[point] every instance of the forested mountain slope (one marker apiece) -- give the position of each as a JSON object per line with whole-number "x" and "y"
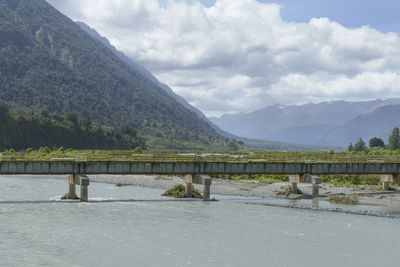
{"x": 19, "y": 132}
{"x": 49, "y": 63}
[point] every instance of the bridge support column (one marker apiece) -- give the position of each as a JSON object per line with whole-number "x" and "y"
{"x": 189, "y": 184}
{"x": 207, "y": 189}
{"x": 388, "y": 178}
{"x": 72, "y": 186}
{"x": 84, "y": 181}
{"x": 294, "y": 179}
{"x": 316, "y": 181}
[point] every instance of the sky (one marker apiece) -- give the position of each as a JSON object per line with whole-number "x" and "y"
{"x": 231, "y": 56}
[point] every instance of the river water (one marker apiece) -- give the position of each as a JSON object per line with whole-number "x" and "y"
{"x": 135, "y": 226}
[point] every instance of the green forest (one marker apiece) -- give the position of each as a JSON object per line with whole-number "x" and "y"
{"x": 21, "y": 132}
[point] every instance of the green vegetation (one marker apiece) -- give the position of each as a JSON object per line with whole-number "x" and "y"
{"x": 262, "y": 178}
{"x": 350, "y": 179}
{"x": 212, "y": 155}
{"x": 179, "y": 191}
{"x": 360, "y": 146}
{"x": 49, "y": 65}
{"x": 28, "y": 132}
{"x": 377, "y": 144}
{"x": 394, "y": 140}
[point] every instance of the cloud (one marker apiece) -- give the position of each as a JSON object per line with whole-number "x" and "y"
{"x": 239, "y": 55}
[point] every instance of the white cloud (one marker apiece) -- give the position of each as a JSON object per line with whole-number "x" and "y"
{"x": 239, "y": 55}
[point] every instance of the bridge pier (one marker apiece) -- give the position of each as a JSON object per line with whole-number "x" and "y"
{"x": 207, "y": 189}
{"x": 191, "y": 179}
{"x": 386, "y": 179}
{"x": 189, "y": 184}
{"x": 316, "y": 181}
{"x": 72, "y": 186}
{"x": 294, "y": 179}
{"x": 73, "y": 180}
{"x": 84, "y": 182}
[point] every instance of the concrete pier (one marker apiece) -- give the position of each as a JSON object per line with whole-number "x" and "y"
{"x": 386, "y": 179}
{"x": 316, "y": 181}
{"x": 207, "y": 189}
{"x": 191, "y": 179}
{"x": 72, "y": 186}
{"x": 189, "y": 184}
{"x": 84, "y": 181}
{"x": 294, "y": 179}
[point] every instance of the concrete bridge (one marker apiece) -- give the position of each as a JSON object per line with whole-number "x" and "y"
{"x": 194, "y": 170}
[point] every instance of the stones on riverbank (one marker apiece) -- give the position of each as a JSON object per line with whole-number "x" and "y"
{"x": 344, "y": 199}
{"x": 179, "y": 191}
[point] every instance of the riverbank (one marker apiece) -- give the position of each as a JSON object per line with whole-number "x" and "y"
{"x": 366, "y": 195}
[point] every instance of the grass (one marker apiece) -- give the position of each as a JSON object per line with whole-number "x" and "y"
{"x": 45, "y": 154}
{"x": 261, "y": 178}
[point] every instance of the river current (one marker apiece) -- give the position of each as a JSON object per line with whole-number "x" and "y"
{"x": 135, "y": 226}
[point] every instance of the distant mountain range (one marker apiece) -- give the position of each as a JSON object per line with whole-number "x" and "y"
{"x": 334, "y": 123}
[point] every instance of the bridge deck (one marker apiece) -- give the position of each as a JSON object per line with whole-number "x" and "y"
{"x": 135, "y": 167}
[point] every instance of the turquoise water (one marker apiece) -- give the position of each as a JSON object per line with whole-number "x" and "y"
{"x": 134, "y": 226}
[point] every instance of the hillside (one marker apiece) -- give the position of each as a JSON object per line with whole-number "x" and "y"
{"x": 21, "y": 131}
{"x": 378, "y": 123}
{"x": 304, "y": 124}
{"x": 142, "y": 70}
{"x": 50, "y": 63}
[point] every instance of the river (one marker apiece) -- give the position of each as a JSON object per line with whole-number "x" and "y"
{"x": 135, "y": 226}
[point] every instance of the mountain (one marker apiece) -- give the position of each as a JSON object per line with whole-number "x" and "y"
{"x": 142, "y": 70}
{"x": 304, "y": 124}
{"x": 378, "y": 123}
{"x": 49, "y": 63}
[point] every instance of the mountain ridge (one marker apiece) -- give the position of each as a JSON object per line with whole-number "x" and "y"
{"x": 50, "y": 63}
{"x": 92, "y": 32}
{"x": 305, "y": 124}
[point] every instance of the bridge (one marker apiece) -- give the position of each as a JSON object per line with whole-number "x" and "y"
{"x": 195, "y": 170}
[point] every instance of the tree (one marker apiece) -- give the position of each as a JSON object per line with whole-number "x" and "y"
{"x": 360, "y": 146}
{"x": 376, "y": 142}
{"x": 394, "y": 140}
{"x": 232, "y": 145}
{"x": 350, "y": 148}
